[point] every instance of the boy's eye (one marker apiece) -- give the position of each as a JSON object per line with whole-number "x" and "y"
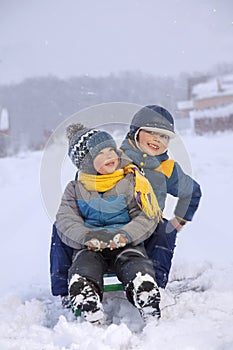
{"x": 165, "y": 137}
{"x": 110, "y": 150}
{"x": 152, "y": 133}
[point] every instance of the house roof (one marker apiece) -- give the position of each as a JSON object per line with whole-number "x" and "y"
{"x": 185, "y": 105}
{"x": 219, "y": 86}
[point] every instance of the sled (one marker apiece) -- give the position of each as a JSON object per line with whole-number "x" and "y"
{"x": 112, "y": 283}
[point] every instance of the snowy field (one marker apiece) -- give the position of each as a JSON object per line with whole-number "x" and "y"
{"x": 197, "y": 306}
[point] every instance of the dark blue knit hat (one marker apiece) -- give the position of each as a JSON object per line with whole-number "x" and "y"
{"x": 152, "y": 118}
{"x": 85, "y": 144}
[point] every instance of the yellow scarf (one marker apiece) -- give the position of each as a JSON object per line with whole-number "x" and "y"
{"x": 143, "y": 192}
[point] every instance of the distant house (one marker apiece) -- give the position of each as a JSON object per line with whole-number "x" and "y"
{"x": 210, "y": 108}
{"x": 4, "y": 132}
{"x": 4, "y": 121}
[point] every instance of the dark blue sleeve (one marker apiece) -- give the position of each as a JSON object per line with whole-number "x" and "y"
{"x": 188, "y": 192}
{"x": 60, "y": 262}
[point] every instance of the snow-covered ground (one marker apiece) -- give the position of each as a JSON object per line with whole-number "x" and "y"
{"x": 197, "y": 306}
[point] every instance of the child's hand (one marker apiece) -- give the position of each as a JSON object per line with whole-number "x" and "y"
{"x": 95, "y": 245}
{"x": 105, "y": 240}
{"x": 118, "y": 241}
{"x": 176, "y": 224}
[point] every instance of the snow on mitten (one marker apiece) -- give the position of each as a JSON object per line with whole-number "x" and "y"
{"x": 118, "y": 241}
{"x": 95, "y": 245}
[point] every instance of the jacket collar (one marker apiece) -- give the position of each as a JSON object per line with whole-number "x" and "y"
{"x": 138, "y": 157}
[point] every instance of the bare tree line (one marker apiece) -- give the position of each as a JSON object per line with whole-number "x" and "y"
{"x": 37, "y": 105}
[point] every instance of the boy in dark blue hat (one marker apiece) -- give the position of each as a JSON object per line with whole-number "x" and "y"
{"x": 146, "y": 144}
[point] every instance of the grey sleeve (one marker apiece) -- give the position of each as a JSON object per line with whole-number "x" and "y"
{"x": 69, "y": 222}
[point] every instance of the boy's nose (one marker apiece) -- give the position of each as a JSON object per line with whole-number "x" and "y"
{"x": 109, "y": 156}
{"x": 156, "y": 138}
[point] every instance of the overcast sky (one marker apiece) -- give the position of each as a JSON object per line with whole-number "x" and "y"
{"x": 96, "y": 37}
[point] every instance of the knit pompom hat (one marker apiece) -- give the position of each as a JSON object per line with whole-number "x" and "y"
{"x": 152, "y": 118}
{"x": 85, "y": 144}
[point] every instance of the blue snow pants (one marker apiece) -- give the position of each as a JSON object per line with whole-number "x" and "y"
{"x": 159, "y": 247}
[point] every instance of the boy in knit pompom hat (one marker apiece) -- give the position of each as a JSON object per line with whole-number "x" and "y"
{"x": 104, "y": 217}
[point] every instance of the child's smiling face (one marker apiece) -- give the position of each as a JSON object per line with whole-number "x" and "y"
{"x": 106, "y": 161}
{"x": 152, "y": 143}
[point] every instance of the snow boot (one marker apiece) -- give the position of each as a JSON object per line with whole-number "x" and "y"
{"x": 85, "y": 299}
{"x": 144, "y": 293}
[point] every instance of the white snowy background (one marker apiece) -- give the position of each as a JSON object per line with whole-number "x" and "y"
{"x": 197, "y": 306}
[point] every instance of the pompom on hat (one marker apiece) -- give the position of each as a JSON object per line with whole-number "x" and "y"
{"x": 152, "y": 118}
{"x": 85, "y": 144}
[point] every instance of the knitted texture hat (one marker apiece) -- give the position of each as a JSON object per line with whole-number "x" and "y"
{"x": 152, "y": 118}
{"x": 85, "y": 144}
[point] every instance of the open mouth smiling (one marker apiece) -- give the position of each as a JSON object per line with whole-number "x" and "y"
{"x": 155, "y": 147}
{"x": 110, "y": 163}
